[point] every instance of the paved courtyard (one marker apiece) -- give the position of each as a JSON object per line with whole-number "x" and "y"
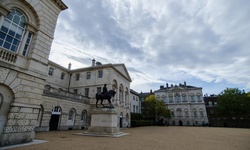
{"x": 148, "y": 138}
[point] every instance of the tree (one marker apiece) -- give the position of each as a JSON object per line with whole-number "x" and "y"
{"x": 233, "y": 103}
{"x": 155, "y": 108}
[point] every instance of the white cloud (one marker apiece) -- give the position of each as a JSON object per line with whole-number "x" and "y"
{"x": 165, "y": 40}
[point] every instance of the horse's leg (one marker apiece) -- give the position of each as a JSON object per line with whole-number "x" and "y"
{"x": 96, "y": 103}
{"x": 101, "y": 102}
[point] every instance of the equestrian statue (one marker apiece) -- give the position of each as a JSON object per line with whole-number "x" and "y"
{"x": 105, "y": 95}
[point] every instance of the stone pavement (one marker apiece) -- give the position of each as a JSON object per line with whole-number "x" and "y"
{"x": 147, "y": 138}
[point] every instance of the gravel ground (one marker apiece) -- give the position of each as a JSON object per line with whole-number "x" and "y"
{"x": 148, "y": 138}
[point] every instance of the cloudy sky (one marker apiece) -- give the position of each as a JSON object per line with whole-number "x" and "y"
{"x": 203, "y": 42}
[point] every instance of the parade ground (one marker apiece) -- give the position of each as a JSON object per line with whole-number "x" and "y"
{"x": 145, "y": 138}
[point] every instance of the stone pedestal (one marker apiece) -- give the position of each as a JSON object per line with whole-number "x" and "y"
{"x": 103, "y": 121}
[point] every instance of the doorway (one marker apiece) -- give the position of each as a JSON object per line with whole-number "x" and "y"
{"x": 55, "y": 119}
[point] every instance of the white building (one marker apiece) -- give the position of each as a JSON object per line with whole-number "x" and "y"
{"x": 83, "y": 84}
{"x": 26, "y": 34}
{"x": 135, "y": 103}
{"x": 185, "y": 103}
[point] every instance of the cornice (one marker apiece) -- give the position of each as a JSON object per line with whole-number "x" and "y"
{"x": 60, "y": 4}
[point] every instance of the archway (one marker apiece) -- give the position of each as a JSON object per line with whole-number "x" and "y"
{"x": 6, "y": 98}
{"x": 55, "y": 118}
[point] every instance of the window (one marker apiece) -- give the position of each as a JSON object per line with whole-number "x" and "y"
{"x": 172, "y": 113}
{"x": 51, "y": 70}
{"x": 171, "y": 99}
{"x": 100, "y": 73}
{"x": 83, "y": 116}
{"x": 192, "y": 98}
{"x": 199, "y": 98}
{"x": 184, "y": 98}
{"x": 77, "y": 77}
{"x": 201, "y": 112}
{"x": 134, "y": 108}
{"x": 86, "y": 91}
{"x": 71, "y": 115}
{"x": 12, "y": 30}
{"x": 215, "y": 103}
{"x": 75, "y": 91}
{"x": 177, "y": 98}
{"x": 27, "y": 44}
{"x": 62, "y": 75}
{"x": 88, "y": 75}
{"x": 210, "y": 103}
{"x": 99, "y": 89}
{"x": 133, "y": 97}
{"x": 186, "y": 112}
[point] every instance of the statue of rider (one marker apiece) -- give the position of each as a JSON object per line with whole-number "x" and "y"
{"x": 104, "y": 90}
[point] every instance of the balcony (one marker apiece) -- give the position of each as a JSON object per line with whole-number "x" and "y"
{"x": 8, "y": 56}
{"x": 65, "y": 95}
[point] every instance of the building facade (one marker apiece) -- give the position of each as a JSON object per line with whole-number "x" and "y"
{"x": 135, "y": 103}
{"x": 83, "y": 84}
{"x": 26, "y": 34}
{"x": 185, "y": 102}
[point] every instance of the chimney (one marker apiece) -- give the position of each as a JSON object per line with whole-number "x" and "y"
{"x": 162, "y": 86}
{"x": 185, "y": 83}
{"x": 167, "y": 85}
{"x": 151, "y": 91}
{"x": 93, "y": 62}
{"x": 69, "y": 66}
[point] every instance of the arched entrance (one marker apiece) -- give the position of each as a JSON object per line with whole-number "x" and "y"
{"x": 55, "y": 118}
{"x": 83, "y": 119}
{"x": 6, "y": 98}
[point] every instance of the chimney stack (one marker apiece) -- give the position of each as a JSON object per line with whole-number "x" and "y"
{"x": 167, "y": 85}
{"x": 69, "y": 66}
{"x": 93, "y": 62}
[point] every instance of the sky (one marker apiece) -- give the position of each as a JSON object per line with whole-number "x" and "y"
{"x": 205, "y": 43}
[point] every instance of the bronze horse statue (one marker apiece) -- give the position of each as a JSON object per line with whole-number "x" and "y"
{"x": 107, "y": 96}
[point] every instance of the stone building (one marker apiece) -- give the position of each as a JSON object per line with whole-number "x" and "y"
{"x": 26, "y": 34}
{"x": 135, "y": 102}
{"x": 79, "y": 86}
{"x": 185, "y": 102}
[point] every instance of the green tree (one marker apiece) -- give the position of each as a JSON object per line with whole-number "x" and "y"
{"x": 233, "y": 102}
{"x": 155, "y": 108}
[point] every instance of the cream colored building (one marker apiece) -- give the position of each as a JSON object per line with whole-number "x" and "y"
{"x": 185, "y": 102}
{"x": 135, "y": 103}
{"x": 26, "y": 34}
{"x": 83, "y": 84}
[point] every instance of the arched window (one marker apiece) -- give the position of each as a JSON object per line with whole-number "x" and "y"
{"x": 121, "y": 94}
{"x": 195, "y": 112}
{"x": 71, "y": 115}
{"x": 201, "y": 112}
{"x": 12, "y": 33}
{"x": 177, "y": 98}
{"x": 170, "y": 98}
{"x": 184, "y": 98}
{"x": 186, "y": 112}
{"x": 84, "y": 115}
{"x": 179, "y": 112}
{"x": 12, "y": 30}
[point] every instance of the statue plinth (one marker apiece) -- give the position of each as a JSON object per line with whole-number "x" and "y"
{"x": 104, "y": 121}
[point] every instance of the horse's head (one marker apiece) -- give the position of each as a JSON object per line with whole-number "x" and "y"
{"x": 112, "y": 92}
